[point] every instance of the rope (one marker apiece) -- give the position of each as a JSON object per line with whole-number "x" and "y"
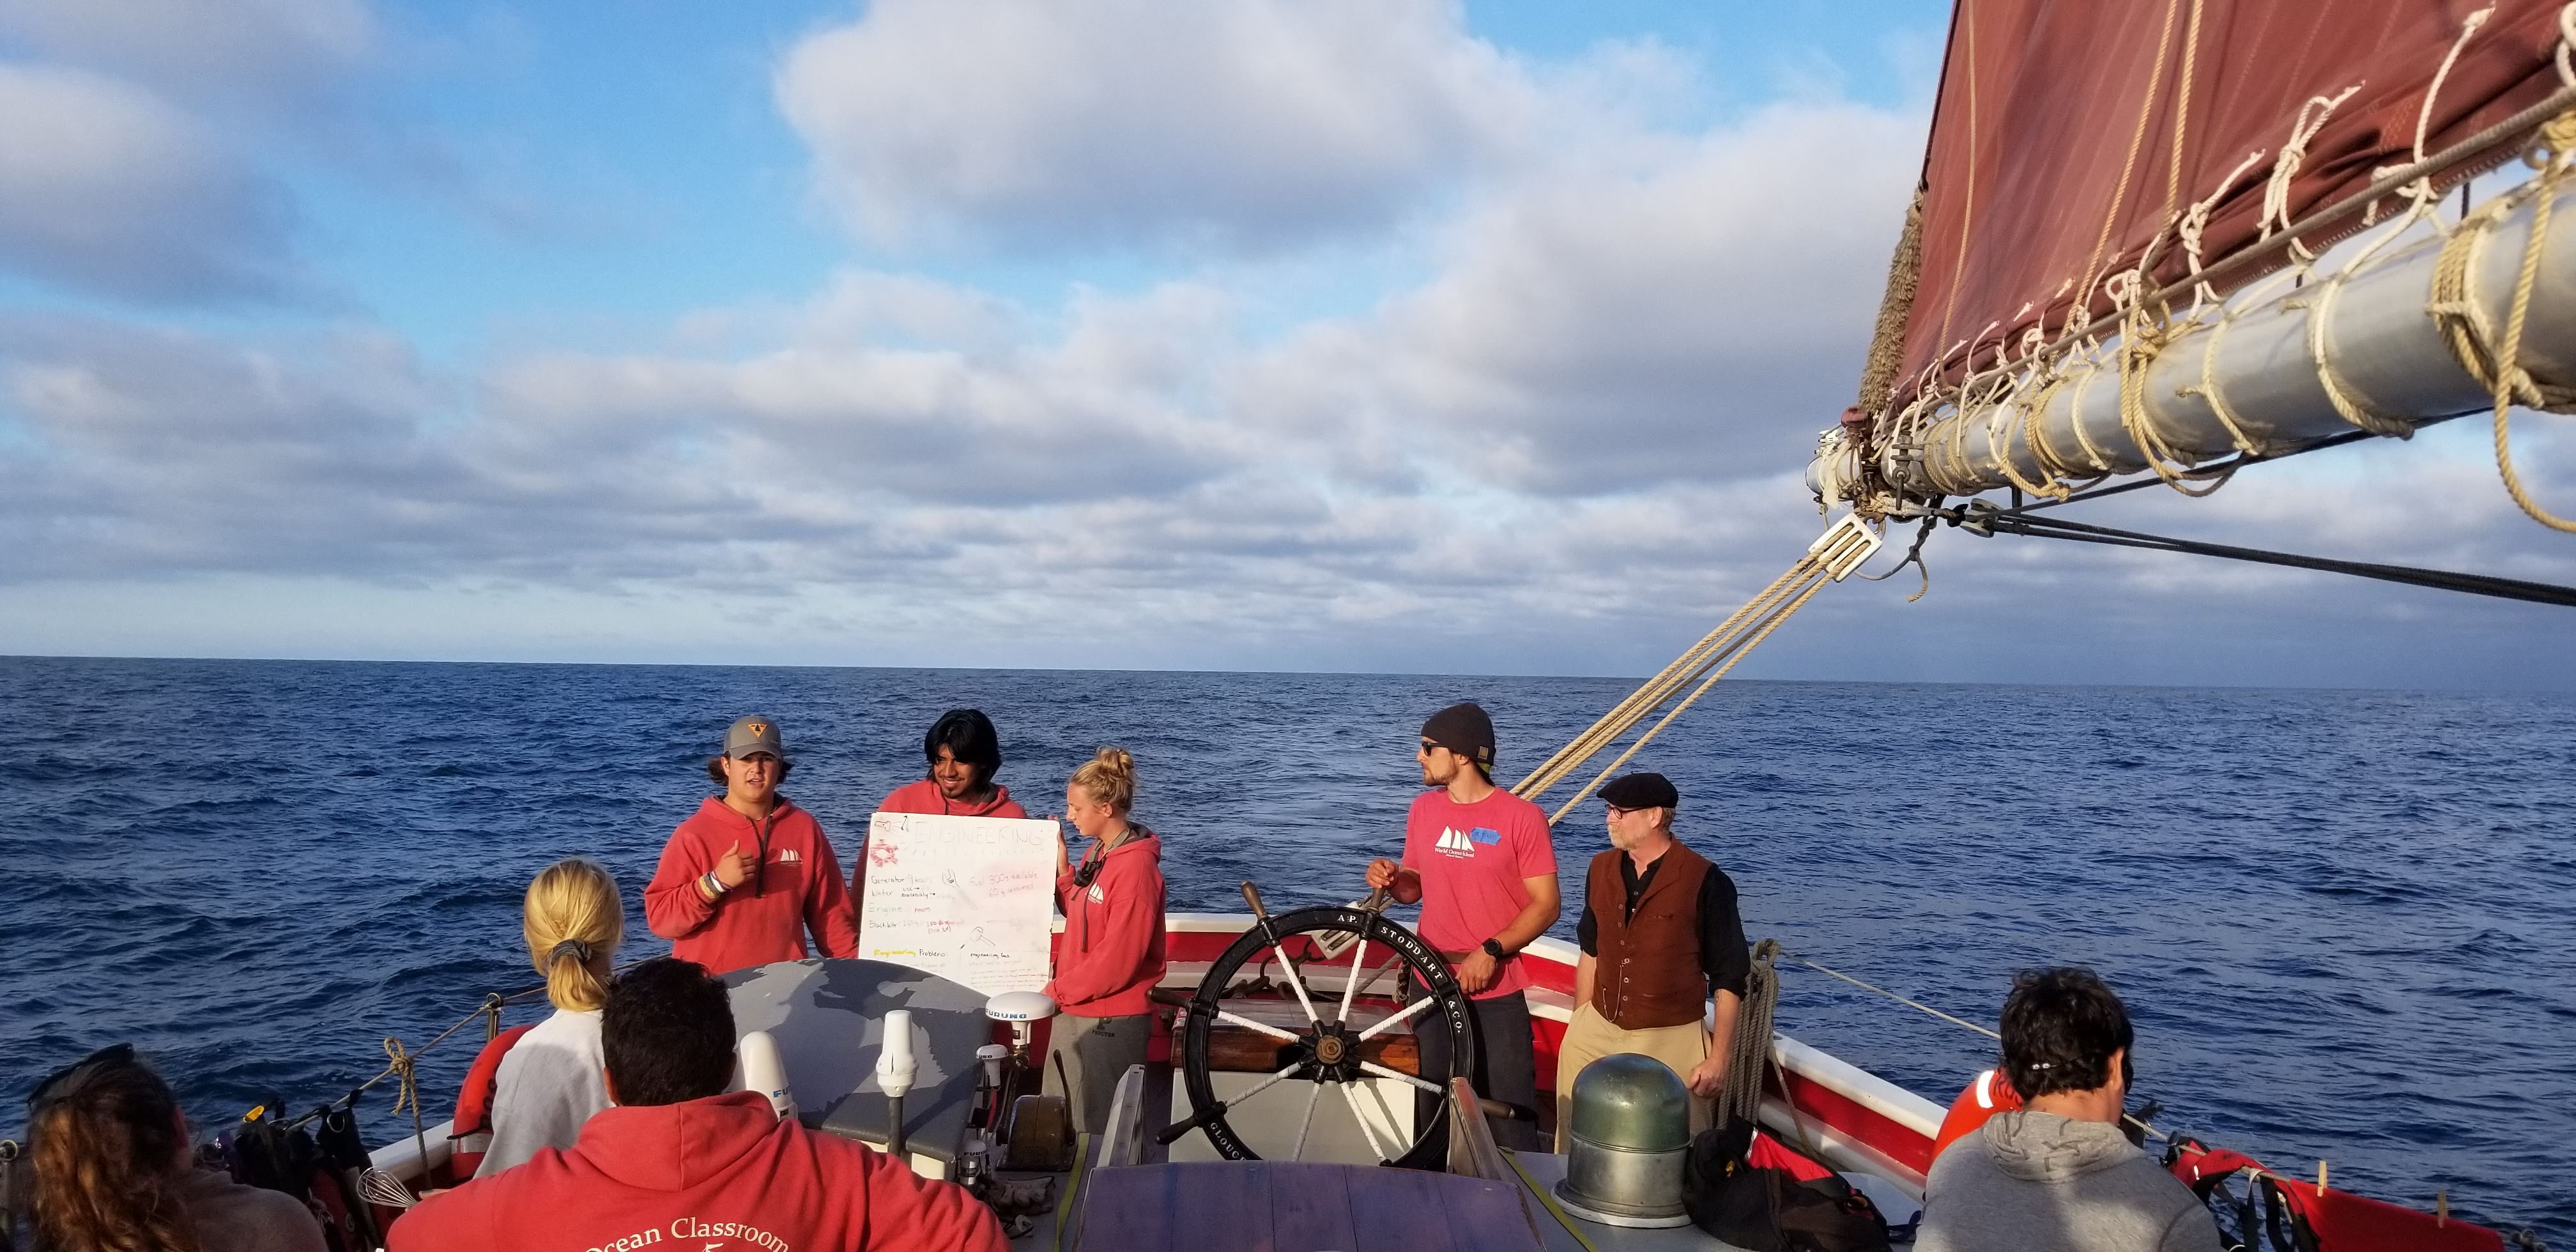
{"x": 1990, "y": 520}
{"x": 1654, "y": 691}
{"x": 2509, "y": 130}
{"x": 1878, "y": 990}
{"x": 400, "y": 1062}
{"x": 1806, "y": 577}
{"x": 2285, "y": 170}
{"x": 1750, "y": 1051}
{"x": 2558, "y": 141}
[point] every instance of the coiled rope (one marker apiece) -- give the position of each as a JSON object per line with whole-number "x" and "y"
{"x": 2496, "y": 363}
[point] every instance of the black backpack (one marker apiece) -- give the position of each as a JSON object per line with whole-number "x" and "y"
{"x": 1770, "y": 1210}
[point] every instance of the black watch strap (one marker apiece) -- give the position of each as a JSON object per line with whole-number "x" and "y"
{"x": 1494, "y": 949}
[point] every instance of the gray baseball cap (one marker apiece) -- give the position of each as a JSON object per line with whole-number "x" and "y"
{"x": 754, "y": 732}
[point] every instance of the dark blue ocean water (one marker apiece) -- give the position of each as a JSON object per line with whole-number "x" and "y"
{"x": 2345, "y": 921}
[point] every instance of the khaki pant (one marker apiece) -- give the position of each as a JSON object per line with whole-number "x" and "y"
{"x": 1093, "y": 1053}
{"x": 1590, "y": 1036}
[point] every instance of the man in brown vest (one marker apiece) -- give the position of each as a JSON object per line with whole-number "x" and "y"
{"x": 1659, "y": 934}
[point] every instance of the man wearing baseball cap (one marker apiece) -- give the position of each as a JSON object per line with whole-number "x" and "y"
{"x": 1480, "y": 861}
{"x": 744, "y": 879}
{"x": 1659, "y": 934}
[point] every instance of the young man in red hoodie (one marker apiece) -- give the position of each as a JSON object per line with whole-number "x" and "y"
{"x": 1112, "y": 953}
{"x": 676, "y": 1161}
{"x": 964, "y": 753}
{"x": 744, "y": 879}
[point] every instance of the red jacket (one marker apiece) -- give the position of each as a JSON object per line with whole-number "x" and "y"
{"x": 724, "y": 1171}
{"x": 924, "y": 796}
{"x": 1112, "y": 952}
{"x": 796, "y": 888}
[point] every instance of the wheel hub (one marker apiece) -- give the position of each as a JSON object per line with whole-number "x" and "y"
{"x": 1336, "y": 1052}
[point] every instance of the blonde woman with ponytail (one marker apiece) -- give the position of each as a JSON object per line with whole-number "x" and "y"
{"x": 550, "y": 1080}
{"x": 1113, "y": 940}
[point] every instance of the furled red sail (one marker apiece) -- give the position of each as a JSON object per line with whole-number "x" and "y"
{"x": 2070, "y": 140}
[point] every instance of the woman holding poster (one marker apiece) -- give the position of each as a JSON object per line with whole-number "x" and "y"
{"x": 1113, "y": 940}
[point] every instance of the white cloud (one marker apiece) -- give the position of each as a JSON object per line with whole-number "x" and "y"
{"x": 1572, "y": 446}
{"x": 238, "y": 50}
{"x": 104, "y": 186}
{"x": 1232, "y": 122}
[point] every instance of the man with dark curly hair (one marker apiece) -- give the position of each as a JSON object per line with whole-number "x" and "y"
{"x": 2058, "y": 1173}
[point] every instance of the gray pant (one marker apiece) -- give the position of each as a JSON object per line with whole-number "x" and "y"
{"x": 1092, "y": 1054}
{"x": 1506, "y": 1065}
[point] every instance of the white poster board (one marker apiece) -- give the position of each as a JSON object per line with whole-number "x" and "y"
{"x": 970, "y": 899}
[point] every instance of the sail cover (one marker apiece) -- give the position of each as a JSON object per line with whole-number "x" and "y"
{"x": 2069, "y": 139}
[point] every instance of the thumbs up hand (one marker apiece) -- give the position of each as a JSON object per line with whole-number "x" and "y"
{"x": 733, "y": 867}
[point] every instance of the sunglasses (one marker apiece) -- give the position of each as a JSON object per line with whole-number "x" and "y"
{"x": 116, "y": 1052}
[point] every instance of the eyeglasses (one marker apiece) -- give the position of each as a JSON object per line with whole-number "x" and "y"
{"x": 1615, "y": 810}
{"x": 118, "y": 1052}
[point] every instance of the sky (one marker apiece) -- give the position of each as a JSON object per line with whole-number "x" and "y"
{"x": 1348, "y": 335}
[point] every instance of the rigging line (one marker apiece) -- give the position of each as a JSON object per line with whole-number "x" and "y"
{"x": 2136, "y": 1119}
{"x": 1878, "y": 990}
{"x": 2439, "y": 580}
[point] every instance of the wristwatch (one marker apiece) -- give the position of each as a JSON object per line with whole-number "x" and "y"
{"x": 1494, "y": 949}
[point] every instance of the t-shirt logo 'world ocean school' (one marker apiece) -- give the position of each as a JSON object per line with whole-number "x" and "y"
{"x": 1458, "y": 842}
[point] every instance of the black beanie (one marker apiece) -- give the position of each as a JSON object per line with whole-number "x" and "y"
{"x": 1464, "y": 729}
{"x": 1641, "y": 791}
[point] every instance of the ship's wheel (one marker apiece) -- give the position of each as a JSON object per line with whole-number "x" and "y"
{"x": 1332, "y": 1048}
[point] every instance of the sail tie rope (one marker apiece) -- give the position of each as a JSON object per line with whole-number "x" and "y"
{"x": 2285, "y": 169}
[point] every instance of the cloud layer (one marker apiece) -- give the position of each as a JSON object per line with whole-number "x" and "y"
{"x": 1131, "y": 122}
{"x": 1568, "y": 439}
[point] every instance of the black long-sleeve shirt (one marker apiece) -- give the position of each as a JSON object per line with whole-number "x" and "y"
{"x": 1723, "y": 955}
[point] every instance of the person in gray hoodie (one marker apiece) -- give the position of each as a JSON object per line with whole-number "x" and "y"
{"x": 2058, "y": 1174}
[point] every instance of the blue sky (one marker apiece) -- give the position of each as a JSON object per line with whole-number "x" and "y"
{"x": 1362, "y": 335}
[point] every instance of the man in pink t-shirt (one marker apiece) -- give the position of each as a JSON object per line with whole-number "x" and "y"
{"x": 1480, "y": 861}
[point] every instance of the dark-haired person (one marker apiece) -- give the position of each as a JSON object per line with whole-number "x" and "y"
{"x": 2058, "y": 1173}
{"x": 1112, "y": 956}
{"x": 749, "y": 874}
{"x": 963, "y": 752}
{"x": 1661, "y": 940}
{"x": 113, "y": 1172}
{"x": 679, "y": 1157}
{"x": 1482, "y": 864}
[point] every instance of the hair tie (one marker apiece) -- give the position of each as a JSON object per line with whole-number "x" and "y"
{"x": 573, "y": 948}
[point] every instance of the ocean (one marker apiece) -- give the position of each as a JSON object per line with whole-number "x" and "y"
{"x": 2342, "y": 919}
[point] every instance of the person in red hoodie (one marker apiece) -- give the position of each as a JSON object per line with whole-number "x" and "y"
{"x": 964, "y": 753}
{"x": 1113, "y": 940}
{"x": 749, "y": 873}
{"x": 678, "y": 1161}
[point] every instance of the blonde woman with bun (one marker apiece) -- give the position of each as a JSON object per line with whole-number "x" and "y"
{"x": 1113, "y": 940}
{"x": 550, "y": 1080}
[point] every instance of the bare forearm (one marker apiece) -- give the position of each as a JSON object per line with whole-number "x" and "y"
{"x": 1585, "y": 970}
{"x": 1532, "y": 922}
{"x": 1721, "y": 1038}
{"x": 1407, "y": 888}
